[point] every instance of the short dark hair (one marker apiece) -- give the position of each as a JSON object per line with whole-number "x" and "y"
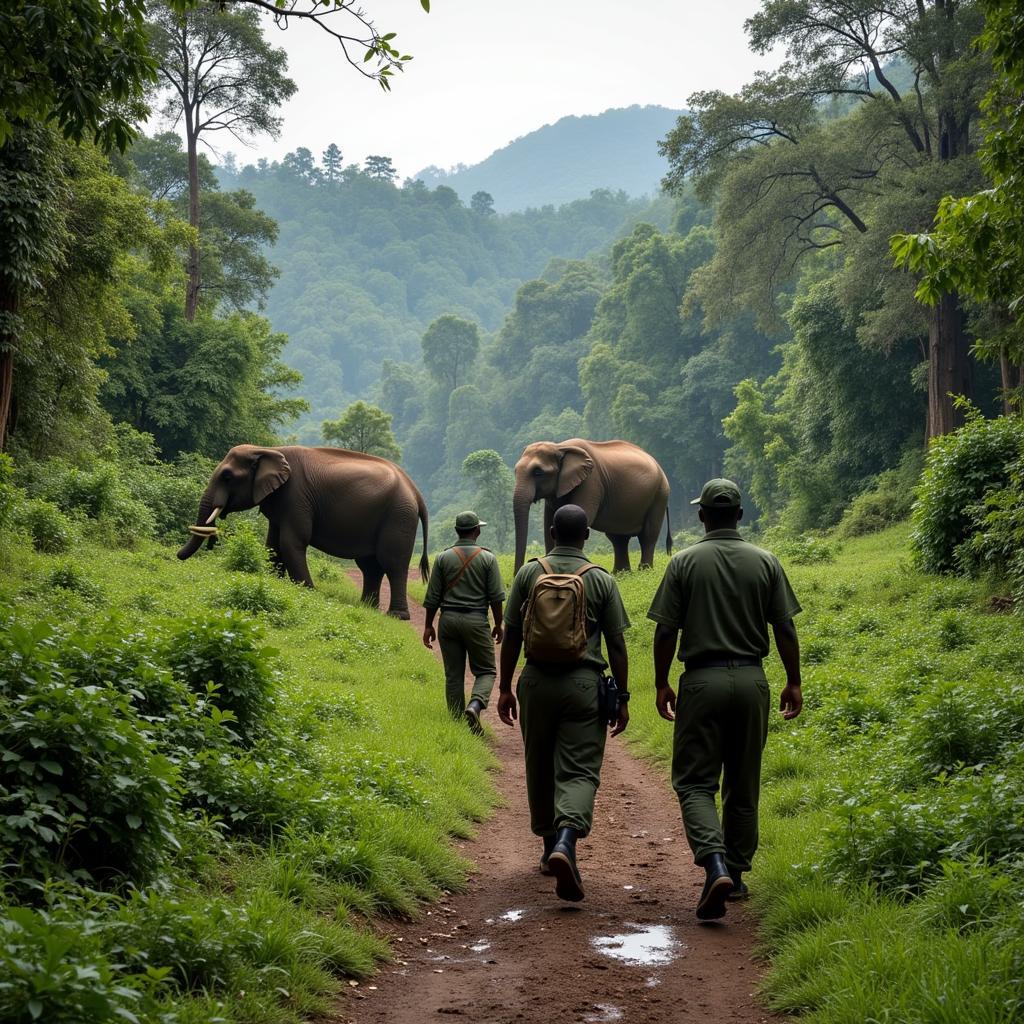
{"x": 569, "y": 524}
{"x": 721, "y": 518}
{"x": 466, "y": 532}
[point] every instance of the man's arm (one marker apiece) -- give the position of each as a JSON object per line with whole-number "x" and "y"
{"x": 618, "y": 662}
{"x": 429, "y": 635}
{"x": 506, "y": 670}
{"x": 665, "y": 640}
{"x": 498, "y": 632}
{"x": 791, "y": 700}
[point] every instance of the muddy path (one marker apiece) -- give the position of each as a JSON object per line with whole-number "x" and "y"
{"x": 507, "y": 951}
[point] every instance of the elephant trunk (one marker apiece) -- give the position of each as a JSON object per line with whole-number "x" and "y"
{"x": 522, "y": 498}
{"x": 208, "y": 513}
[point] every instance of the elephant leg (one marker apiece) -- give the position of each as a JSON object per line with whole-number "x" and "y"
{"x": 653, "y": 525}
{"x": 372, "y": 576}
{"x": 292, "y": 552}
{"x": 274, "y": 547}
{"x": 620, "y": 544}
{"x": 398, "y": 579}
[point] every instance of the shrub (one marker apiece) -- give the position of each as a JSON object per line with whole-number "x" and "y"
{"x": 253, "y": 596}
{"x": 55, "y": 973}
{"x": 225, "y": 649}
{"x": 9, "y": 494}
{"x": 960, "y": 469}
{"x": 807, "y": 550}
{"x": 70, "y": 576}
{"x": 51, "y": 531}
{"x": 887, "y": 502}
{"x": 84, "y": 788}
{"x": 244, "y": 551}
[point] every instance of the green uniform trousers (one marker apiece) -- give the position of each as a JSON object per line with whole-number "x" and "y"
{"x": 564, "y": 746}
{"x": 720, "y": 731}
{"x": 463, "y": 636}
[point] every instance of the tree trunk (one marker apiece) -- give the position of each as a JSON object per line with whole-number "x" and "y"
{"x": 949, "y": 370}
{"x": 8, "y": 310}
{"x": 194, "y": 283}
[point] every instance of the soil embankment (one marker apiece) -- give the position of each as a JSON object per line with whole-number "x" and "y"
{"x": 509, "y": 952}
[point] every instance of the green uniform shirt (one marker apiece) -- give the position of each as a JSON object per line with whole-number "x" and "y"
{"x": 479, "y": 586}
{"x": 722, "y": 592}
{"x": 605, "y": 611}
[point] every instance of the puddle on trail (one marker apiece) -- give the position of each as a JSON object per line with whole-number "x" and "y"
{"x": 645, "y": 946}
{"x": 604, "y": 1013}
{"x": 512, "y": 915}
{"x": 480, "y": 947}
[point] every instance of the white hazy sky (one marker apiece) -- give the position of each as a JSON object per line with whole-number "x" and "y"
{"x": 488, "y": 71}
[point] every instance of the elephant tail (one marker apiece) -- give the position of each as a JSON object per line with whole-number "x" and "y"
{"x": 424, "y": 561}
{"x": 668, "y": 534}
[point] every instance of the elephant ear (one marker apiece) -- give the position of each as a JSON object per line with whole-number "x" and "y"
{"x": 576, "y": 467}
{"x": 272, "y": 470}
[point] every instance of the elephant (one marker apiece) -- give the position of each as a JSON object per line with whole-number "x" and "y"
{"x": 622, "y": 489}
{"x": 341, "y": 502}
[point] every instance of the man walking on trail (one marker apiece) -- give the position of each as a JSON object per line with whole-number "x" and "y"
{"x": 722, "y": 593}
{"x": 464, "y": 582}
{"x": 560, "y": 606}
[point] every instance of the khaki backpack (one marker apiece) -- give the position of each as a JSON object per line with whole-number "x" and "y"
{"x": 555, "y": 620}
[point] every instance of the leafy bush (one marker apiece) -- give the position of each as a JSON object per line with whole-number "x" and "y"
{"x": 244, "y": 551}
{"x": 225, "y": 649}
{"x": 253, "y": 596}
{"x": 887, "y": 502}
{"x": 807, "y": 550}
{"x": 54, "y": 972}
{"x": 50, "y": 529}
{"x": 83, "y": 785}
{"x": 9, "y": 494}
{"x": 70, "y": 576}
{"x": 961, "y": 468}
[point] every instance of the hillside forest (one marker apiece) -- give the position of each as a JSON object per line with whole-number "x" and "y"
{"x": 206, "y": 805}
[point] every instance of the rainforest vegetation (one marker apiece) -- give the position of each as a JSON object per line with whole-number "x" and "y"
{"x": 204, "y": 802}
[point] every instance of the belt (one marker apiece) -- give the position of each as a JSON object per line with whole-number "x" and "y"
{"x": 714, "y": 661}
{"x": 463, "y": 609}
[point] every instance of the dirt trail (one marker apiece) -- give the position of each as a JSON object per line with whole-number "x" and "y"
{"x": 509, "y": 952}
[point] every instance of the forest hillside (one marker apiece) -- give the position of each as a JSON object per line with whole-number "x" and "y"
{"x": 562, "y": 161}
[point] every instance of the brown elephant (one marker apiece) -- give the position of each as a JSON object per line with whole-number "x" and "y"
{"x": 622, "y": 489}
{"x": 344, "y": 503}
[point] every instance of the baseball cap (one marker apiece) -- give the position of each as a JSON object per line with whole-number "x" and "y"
{"x": 468, "y": 521}
{"x": 718, "y": 493}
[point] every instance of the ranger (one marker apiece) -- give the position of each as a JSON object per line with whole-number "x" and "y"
{"x": 563, "y": 732}
{"x": 464, "y": 582}
{"x": 721, "y": 594}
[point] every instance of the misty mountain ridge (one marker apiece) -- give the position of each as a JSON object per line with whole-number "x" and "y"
{"x": 567, "y": 160}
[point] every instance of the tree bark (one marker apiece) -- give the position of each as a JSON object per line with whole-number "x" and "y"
{"x": 949, "y": 369}
{"x": 194, "y": 280}
{"x": 8, "y": 308}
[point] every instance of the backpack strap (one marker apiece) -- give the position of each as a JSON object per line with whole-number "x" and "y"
{"x": 465, "y": 565}
{"x": 546, "y": 566}
{"x": 584, "y": 569}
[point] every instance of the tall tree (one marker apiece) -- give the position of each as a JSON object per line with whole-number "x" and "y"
{"x": 494, "y": 485}
{"x": 482, "y": 202}
{"x": 380, "y": 167}
{"x": 450, "y": 347}
{"x": 363, "y": 428}
{"x": 794, "y": 182}
{"x": 218, "y": 73}
{"x": 332, "y": 164}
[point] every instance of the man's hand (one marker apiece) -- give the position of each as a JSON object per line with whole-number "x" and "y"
{"x": 429, "y": 636}
{"x": 622, "y": 721}
{"x": 507, "y": 707}
{"x": 665, "y": 701}
{"x": 791, "y": 701}
{"x": 498, "y": 633}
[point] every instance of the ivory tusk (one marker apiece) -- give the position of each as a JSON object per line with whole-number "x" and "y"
{"x": 216, "y": 512}
{"x": 204, "y": 531}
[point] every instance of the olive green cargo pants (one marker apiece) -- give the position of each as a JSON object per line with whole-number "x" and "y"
{"x": 564, "y": 747}
{"x": 720, "y": 732}
{"x": 463, "y": 636}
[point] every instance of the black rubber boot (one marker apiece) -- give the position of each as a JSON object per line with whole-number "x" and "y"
{"x": 717, "y": 886}
{"x": 473, "y": 711}
{"x": 739, "y": 887}
{"x": 549, "y": 845}
{"x": 562, "y": 864}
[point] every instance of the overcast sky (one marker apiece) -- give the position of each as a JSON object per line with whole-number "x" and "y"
{"x": 488, "y": 71}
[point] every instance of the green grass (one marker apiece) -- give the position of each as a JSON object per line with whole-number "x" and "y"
{"x": 362, "y": 702}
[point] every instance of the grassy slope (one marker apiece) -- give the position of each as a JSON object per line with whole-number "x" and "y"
{"x": 382, "y": 695}
{"x": 892, "y": 821}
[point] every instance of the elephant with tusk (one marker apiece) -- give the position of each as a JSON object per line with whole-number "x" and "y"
{"x": 622, "y": 489}
{"x": 341, "y": 502}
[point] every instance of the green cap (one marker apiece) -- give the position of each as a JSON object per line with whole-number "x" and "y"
{"x": 468, "y": 521}
{"x": 718, "y": 493}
